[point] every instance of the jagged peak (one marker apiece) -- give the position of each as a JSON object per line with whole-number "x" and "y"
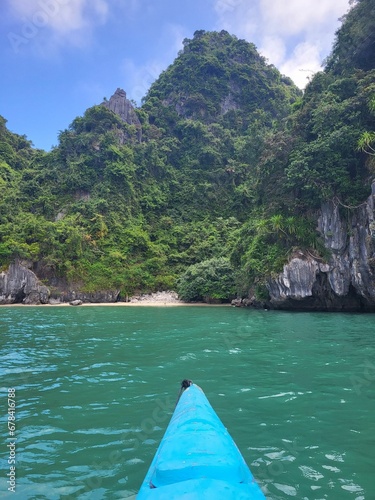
{"x": 122, "y": 107}
{"x": 119, "y": 104}
{"x": 217, "y": 73}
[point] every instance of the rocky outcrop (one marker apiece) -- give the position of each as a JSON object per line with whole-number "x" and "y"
{"x": 62, "y": 292}
{"x": 19, "y": 285}
{"x": 76, "y": 302}
{"x": 346, "y": 282}
{"x": 120, "y": 105}
{"x": 228, "y": 104}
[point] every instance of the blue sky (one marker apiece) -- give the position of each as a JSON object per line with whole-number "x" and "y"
{"x": 59, "y": 57}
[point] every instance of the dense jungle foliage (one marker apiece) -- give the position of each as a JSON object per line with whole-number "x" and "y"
{"x": 225, "y": 184}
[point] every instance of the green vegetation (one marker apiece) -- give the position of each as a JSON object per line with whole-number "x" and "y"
{"x": 224, "y": 186}
{"x": 265, "y": 243}
{"x": 210, "y": 280}
{"x": 220, "y": 79}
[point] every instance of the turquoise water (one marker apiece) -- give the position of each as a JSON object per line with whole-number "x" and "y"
{"x": 95, "y": 388}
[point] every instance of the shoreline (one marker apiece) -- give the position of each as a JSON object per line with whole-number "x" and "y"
{"x": 143, "y": 303}
{"x": 156, "y": 299}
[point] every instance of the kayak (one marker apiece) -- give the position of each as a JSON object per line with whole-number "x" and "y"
{"x": 197, "y": 459}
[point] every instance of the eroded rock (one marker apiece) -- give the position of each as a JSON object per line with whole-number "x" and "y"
{"x": 119, "y": 104}
{"x": 347, "y": 280}
{"x": 19, "y": 285}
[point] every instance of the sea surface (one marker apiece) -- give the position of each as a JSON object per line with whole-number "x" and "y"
{"x": 95, "y": 388}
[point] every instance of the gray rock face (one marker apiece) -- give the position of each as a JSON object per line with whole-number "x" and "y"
{"x": 76, "y": 302}
{"x": 228, "y": 104}
{"x": 19, "y": 285}
{"x": 62, "y": 292}
{"x": 347, "y": 281}
{"x": 295, "y": 282}
{"x": 120, "y": 105}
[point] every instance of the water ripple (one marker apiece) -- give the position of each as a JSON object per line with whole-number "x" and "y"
{"x": 96, "y": 388}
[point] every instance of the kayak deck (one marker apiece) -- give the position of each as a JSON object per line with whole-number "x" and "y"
{"x": 197, "y": 458}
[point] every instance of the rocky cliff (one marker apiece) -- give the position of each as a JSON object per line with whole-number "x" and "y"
{"x": 120, "y": 105}
{"x": 19, "y": 285}
{"x": 346, "y": 282}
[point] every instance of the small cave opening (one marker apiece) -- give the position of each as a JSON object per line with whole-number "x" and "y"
{"x": 20, "y": 296}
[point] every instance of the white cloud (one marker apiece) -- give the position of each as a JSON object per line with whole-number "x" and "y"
{"x": 273, "y": 48}
{"x": 294, "y": 35}
{"x": 295, "y": 17}
{"x": 302, "y": 64}
{"x": 52, "y": 23}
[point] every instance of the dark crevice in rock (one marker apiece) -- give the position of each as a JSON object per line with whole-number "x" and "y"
{"x": 19, "y": 296}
